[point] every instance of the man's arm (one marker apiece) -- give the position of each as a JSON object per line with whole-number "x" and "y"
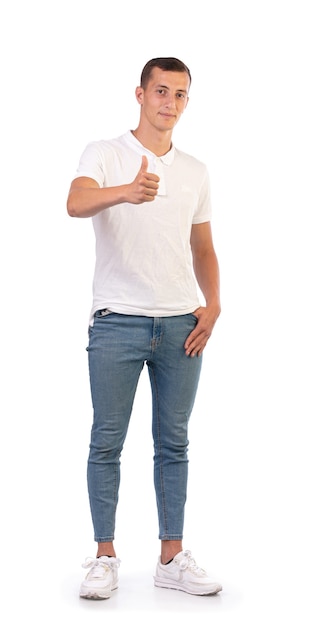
{"x": 86, "y": 198}
{"x": 206, "y": 270}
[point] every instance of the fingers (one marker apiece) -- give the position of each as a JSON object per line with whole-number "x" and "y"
{"x": 146, "y": 183}
{"x": 198, "y": 338}
{"x": 195, "y": 344}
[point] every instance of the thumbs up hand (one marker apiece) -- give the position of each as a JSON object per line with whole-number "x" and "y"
{"x": 145, "y": 185}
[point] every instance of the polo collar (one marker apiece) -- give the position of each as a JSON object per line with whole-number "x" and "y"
{"x": 167, "y": 158}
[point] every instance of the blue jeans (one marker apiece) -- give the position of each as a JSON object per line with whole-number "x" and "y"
{"x": 119, "y": 345}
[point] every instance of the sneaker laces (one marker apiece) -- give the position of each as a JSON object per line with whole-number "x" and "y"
{"x": 187, "y": 562}
{"x": 98, "y": 567}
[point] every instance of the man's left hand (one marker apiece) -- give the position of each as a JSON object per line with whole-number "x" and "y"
{"x": 197, "y": 339}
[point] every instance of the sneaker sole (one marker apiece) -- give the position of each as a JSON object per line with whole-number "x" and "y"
{"x": 166, "y": 584}
{"x": 93, "y": 594}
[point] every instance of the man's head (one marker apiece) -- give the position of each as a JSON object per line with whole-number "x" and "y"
{"x": 162, "y": 96}
{"x": 166, "y": 64}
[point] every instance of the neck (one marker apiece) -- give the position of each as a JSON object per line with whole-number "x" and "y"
{"x": 157, "y": 142}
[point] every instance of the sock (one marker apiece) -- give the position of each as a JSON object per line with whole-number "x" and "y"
{"x": 107, "y": 555}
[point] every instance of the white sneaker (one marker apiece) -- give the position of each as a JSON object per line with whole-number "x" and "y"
{"x": 101, "y": 579}
{"x": 183, "y": 574}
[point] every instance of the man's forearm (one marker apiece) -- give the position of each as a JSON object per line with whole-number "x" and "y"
{"x": 206, "y": 270}
{"x": 88, "y": 201}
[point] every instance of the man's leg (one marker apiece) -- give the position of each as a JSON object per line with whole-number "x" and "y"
{"x": 114, "y": 367}
{"x": 174, "y": 380}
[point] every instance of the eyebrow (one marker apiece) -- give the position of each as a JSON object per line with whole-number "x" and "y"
{"x": 166, "y": 87}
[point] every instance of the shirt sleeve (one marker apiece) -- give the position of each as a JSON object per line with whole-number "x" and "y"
{"x": 91, "y": 164}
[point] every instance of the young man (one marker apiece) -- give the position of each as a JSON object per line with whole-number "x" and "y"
{"x": 150, "y": 206}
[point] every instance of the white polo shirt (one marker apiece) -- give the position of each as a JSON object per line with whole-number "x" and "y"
{"x": 143, "y": 255}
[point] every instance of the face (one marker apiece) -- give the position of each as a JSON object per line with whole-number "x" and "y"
{"x": 164, "y": 99}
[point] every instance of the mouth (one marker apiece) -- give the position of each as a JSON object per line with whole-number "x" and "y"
{"x": 167, "y": 115}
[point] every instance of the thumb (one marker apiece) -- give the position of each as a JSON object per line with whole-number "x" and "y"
{"x": 144, "y": 164}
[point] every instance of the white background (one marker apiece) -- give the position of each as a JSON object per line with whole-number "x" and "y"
{"x": 68, "y": 74}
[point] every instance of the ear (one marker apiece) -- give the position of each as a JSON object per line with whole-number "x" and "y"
{"x": 139, "y": 94}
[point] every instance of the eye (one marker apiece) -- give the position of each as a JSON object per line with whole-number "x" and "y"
{"x": 181, "y": 96}
{"x": 162, "y": 92}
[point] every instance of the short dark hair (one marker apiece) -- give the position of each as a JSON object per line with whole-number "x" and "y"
{"x": 167, "y": 64}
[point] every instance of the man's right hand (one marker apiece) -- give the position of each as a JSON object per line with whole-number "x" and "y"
{"x": 145, "y": 186}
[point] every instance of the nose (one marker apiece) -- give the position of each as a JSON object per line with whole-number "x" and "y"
{"x": 171, "y": 101}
